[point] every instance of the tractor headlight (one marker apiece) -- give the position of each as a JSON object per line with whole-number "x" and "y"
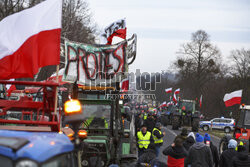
{"x": 26, "y": 163}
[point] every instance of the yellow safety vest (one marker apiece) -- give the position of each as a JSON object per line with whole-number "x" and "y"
{"x": 157, "y": 141}
{"x": 89, "y": 121}
{"x": 143, "y": 141}
{"x": 240, "y": 144}
{"x": 145, "y": 116}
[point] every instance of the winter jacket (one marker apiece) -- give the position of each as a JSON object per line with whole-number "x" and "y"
{"x": 159, "y": 136}
{"x": 176, "y": 156}
{"x": 188, "y": 142}
{"x": 226, "y": 157}
{"x": 150, "y": 123}
{"x": 151, "y": 141}
{"x": 242, "y": 159}
{"x": 215, "y": 154}
{"x": 199, "y": 155}
{"x": 147, "y": 156}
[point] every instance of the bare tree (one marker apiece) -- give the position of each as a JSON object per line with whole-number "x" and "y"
{"x": 240, "y": 70}
{"x": 198, "y": 62}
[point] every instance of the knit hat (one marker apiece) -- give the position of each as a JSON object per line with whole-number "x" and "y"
{"x": 199, "y": 138}
{"x": 207, "y": 137}
{"x": 232, "y": 144}
{"x": 158, "y": 125}
{"x": 191, "y": 134}
{"x": 184, "y": 132}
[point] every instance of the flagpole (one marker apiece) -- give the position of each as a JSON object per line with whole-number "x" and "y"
{"x": 56, "y": 94}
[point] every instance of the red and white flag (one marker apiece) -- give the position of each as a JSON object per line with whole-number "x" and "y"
{"x": 30, "y": 39}
{"x": 175, "y": 99}
{"x": 125, "y": 85}
{"x": 164, "y": 104}
{"x": 200, "y": 102}
{"x": 168, "y": 90}
{"x": 233, "y": 98}
{"x": 117, "y": 28}
{"x": 177, "y": 91}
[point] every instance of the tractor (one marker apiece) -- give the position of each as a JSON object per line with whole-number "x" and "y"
{"x": 39, "y": 139}
{"x": 186, "y": 115}
{"x": 108, "y": 132}
{"x": 242, "y": 127}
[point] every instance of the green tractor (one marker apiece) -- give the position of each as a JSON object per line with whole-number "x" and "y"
{"x": 186, "y": 115}
{"x": 110, "y": 138}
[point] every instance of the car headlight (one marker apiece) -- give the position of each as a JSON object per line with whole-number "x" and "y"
{"x": 26, "y": 163}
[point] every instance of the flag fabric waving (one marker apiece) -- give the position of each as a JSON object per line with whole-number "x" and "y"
{"x": 175, "y": 99}
{"x": 177, "y": 91}
{"x": 233, "y": 98}
{"x": 168, "y": 90}
{"x": 125, "y": 85}
{"x": 117, "y": 28}
{"x": 30, "y": 39}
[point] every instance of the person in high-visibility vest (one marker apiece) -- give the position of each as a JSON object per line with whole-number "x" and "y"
{"x": 158, "y": 137}
{"x": 240, "y": 143}
{"x": 96, "y": 121}
{"x": 144, "y": 138}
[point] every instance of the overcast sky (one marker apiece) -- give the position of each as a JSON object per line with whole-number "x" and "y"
{"x": 163, "y": 25}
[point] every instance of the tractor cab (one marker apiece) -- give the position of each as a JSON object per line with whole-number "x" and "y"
{"x": 34, "y": 136}
{"x": 108, "y": 140}
{"x": 244, "y": 121}
{"x": 186, "y": 115}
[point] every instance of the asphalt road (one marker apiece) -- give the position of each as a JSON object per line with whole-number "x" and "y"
{"x": 170, "y": 136}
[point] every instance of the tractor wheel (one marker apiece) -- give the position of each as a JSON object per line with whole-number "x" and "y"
{"x": 223, "y": 145}
{"x": 175, "y": 122}
{"x": 195, "y": 125}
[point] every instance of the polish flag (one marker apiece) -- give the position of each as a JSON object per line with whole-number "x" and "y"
{"x": 200, "y": 101}
{"x": 125, "y": 85}
{"x": 117, "y": 28}
{"x": 233, "y": 98}
{"x": 164, "y": 104}
{"x": 177, "y": 91}
{"x": 174, "y": 98}
{"x": 30, "y": 39}
{"x": 168, "y": 90}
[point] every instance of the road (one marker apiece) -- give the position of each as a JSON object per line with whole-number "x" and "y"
{"x": 170, "y": 136}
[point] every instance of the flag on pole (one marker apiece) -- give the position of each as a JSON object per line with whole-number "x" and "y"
{"x": 168, "y": 90}
{"x": 177, "y": 91}
{"x": 125, "y": 85}
{"x": 233, "y": 98}
{"x": 175, "y": 99}
{"x": 200, "y": 102}
{"x": 30, "y": 39}
{"x": 117, "y": 28}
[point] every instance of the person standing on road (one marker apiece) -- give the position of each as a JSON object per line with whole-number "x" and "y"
{"x": 158, "y": 137}
{"x": 150, "y": 122}
{"x": 242, "y": 159}
{"x": 227, "y": 155}
{"x": 176, "y": 153}
{"x": 199, "y": 155}
{"x": 144, "y": 139}
{"x": 214, "y": 150}
{"x": 138, "y": 121}
{"x": 189, "y": 141}
{"x": 183, "y": 134}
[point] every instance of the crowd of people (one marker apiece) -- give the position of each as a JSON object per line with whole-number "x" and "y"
{"x": 187, "y": 149}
